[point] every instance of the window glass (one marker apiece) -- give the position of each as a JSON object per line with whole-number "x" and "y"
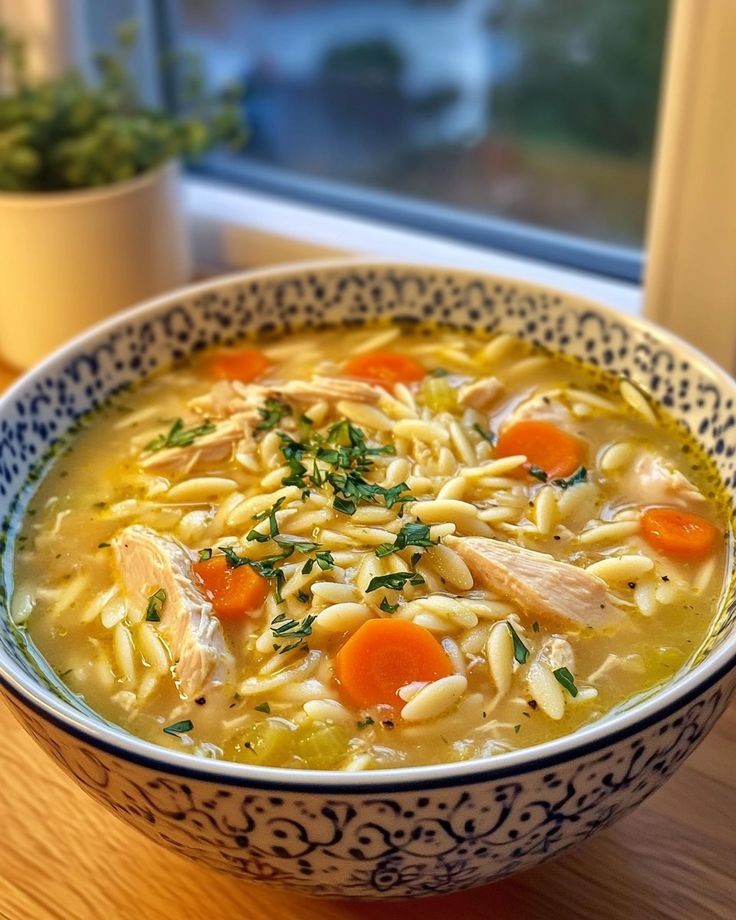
{"x": 539, "y": 111}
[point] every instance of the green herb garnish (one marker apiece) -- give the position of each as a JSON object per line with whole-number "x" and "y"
{"x": 486, "y": 435}
{"x": 205, "y": 554}
{"x": 155, "y": 606}
{"x": 186, "y": 725}
{"x": 297, "y": 630}
{"x": 395, "y": 581}
{"x": 580, "y": 475}
{"x": 537, "y": 472}
{"x": 364, "y": 723}
{"x": 565, "y": 678}
{"x": 263, "y": 707}
{"x": 386, "y": 607}
{"x": 179, "y": 436}
{"x": 323, "y": 559}
{"x": 521, "y": 652}
{"x": 272, "y": 412}
{"x": 273, "y": 527}
{"x": 102, "y": 545}
{"x": 414, "y": 534}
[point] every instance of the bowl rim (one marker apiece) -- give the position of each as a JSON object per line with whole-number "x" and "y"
{"x": 603, "y": 733}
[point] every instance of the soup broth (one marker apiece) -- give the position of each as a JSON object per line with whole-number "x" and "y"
{"x": 366, "y": 549}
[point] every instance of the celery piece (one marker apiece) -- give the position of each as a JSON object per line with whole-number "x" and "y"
{"x": 322, "y": 745}
{"x": 438, "y": 395}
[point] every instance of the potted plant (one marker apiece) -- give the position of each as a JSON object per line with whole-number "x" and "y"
{"x": 90, "y": 213}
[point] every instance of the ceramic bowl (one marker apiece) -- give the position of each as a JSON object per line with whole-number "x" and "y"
{"x": 384, "y": 834}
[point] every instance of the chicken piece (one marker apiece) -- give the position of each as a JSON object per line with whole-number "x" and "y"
{"x": 543, "y": 407}
{"x": 146, "y": 562}
{"x": 216, "y": 447}
{"x": 480, "y": 394}
{"x": 538, "y": 584}
{"x": 558, "y": 653}
{"x": 650, "y": 480}
{"x": 329, "y": 389}
{"x": 231, "y": 397}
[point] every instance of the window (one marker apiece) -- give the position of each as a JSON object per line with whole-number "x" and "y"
{"x": 523, "y": 124}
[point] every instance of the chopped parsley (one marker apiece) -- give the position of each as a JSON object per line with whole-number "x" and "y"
{"x": 155, "y": 606}
{"x": 521, "y": 652}
{"x": 179, "y": 436}
{"x": 414, "y": 534}
{"x": 580, "y": 475}
{"x": 302, "y": 596}
{"x": 263, "y": 707}
{"x": 386, "y": 607}
{"x": 233, "y": 559}
{"x": 272, "y": 412}
{"x": 297, "y": 546}
{"x": 486, "y": 435}
{"x": 286, "y": 628}
{"x": 270, "y": 515}
{"x": 364, "y": 723}
{"x": 102, "y": 545}
{"x": 342, "y": 447}
{"x": 395, "y": 581}
{"x": 565, "y": 678}
{"x": 178, "y": 728}
{"x": 205, "y": 554}
{"x": 535, "y": 627}
{"x": 439, "y": 372}
{"x": 537, "y": 472}
{"x": 323, "y": 559}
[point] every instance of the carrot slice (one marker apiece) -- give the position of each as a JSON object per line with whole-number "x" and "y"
{"x": 234, "y": 592}
{"x": 385, "y": 367}
{"x": 557, "y": 453}
{"x": 384, "y": 655}
{"x": 678, "y": 533}
{"x": 247, "y": 364}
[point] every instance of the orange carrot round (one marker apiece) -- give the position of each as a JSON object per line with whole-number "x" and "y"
{"x": 679, "y": 534}
{"x": 556, "y": 452}
{"x": 384, "y": 655}
{"x": 234, "y": 592}
{"x": 385, "y": 368}
{"x": 246, "y": 364}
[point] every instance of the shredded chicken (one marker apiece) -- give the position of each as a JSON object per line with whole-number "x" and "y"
{"x": 538, "y": 584}
{"x": 543, "y": 407}
{"x": 558, "y": 653}
{"x": 147, "y": 562}
{"x": 215, "y": 447}
{"x": 651, "y": 480}
{"x": 329, "y": 389}
{"x": 236, "y": 407}
{"x": 480, "y": 394}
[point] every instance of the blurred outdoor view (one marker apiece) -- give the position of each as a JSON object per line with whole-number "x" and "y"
{"x": 538, "y": 110}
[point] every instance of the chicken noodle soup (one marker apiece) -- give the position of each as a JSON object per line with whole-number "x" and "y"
{"x": 366, "y": 549}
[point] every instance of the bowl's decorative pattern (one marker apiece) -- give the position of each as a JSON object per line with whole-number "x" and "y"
{"x": 382, "y": 844}
{"x": 423, "y": 838}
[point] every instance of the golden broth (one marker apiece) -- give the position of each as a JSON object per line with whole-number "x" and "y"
{"x": 284, "y": 707}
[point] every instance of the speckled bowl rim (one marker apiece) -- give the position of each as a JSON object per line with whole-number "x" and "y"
{"x": 599, "y": 735}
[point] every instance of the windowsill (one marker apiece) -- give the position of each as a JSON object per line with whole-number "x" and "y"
{"x": 238, "y": 228}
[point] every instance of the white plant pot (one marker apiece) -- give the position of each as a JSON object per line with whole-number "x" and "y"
{"x": 68, "y": 259}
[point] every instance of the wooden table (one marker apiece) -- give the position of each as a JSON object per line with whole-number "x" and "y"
{"x": 63, "y": 856}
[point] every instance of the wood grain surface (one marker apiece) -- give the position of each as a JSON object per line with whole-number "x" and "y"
{"x": 63, "y": 856}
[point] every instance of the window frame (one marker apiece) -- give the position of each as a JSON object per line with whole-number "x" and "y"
{"x": 616, "y": 262}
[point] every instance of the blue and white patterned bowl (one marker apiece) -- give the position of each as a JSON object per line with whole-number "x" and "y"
{"x": 394, "y": 833}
